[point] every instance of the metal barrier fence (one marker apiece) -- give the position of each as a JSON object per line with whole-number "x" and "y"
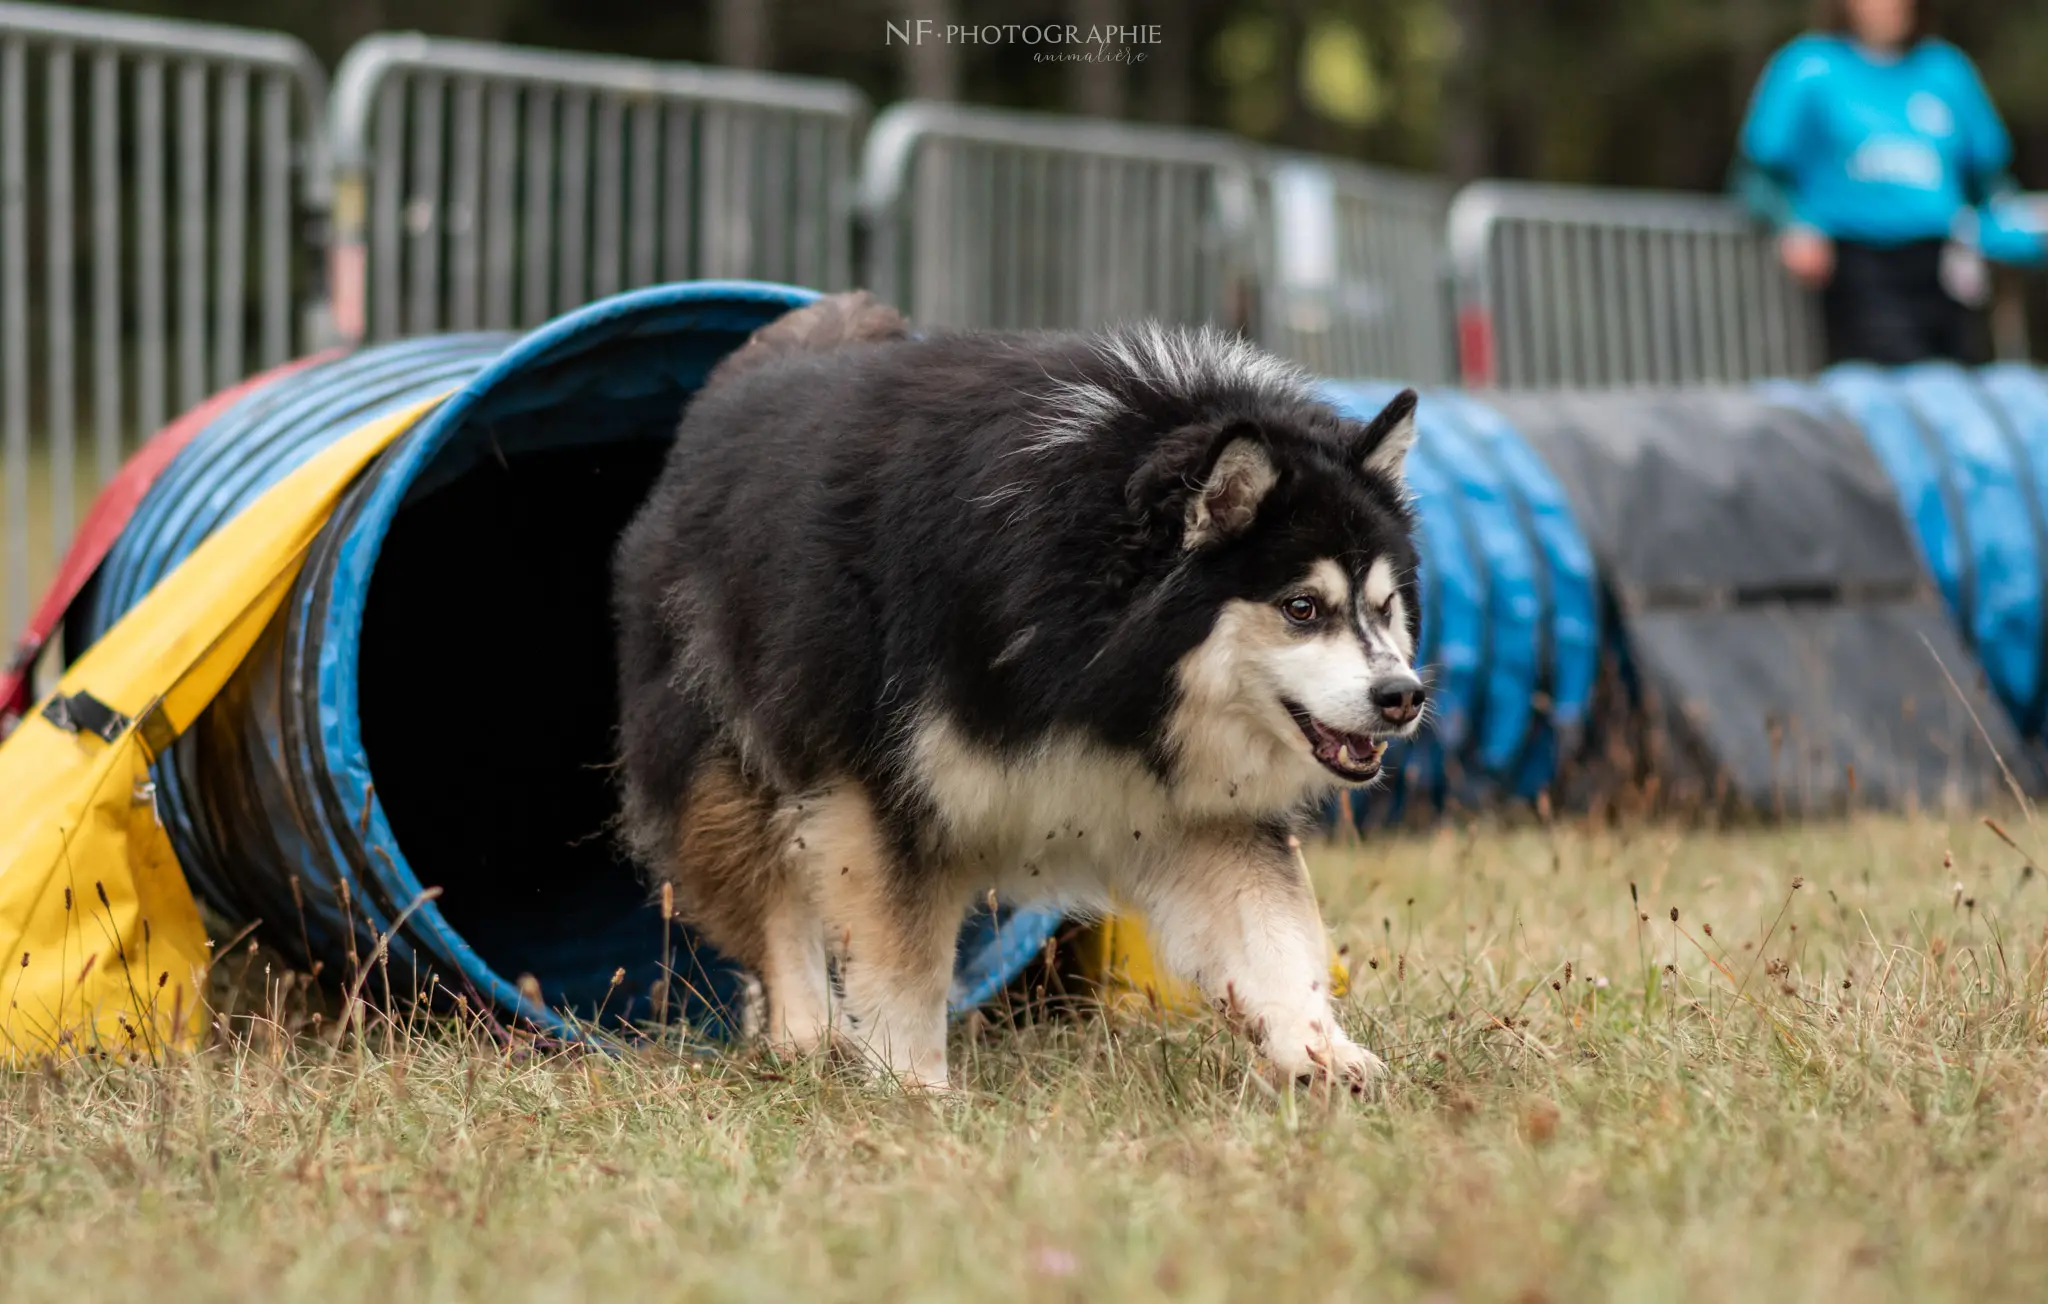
{"x": 977, "y": 217}
{"x": 153, "y": 178}
{"x": 1353, "y": 277}
{"x": 488, "y": 186}
{"x": 1570, "y": 286}
{"x": 983, "y": 218}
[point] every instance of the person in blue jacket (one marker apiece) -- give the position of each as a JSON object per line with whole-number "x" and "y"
{"x": 1875, "y": 152}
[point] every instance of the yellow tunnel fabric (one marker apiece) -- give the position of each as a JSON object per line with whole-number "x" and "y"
{"x": 103, "y": 946}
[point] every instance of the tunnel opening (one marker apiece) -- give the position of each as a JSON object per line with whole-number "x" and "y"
{"x": 488, "y": 692}
{"x": 488, "y": 708}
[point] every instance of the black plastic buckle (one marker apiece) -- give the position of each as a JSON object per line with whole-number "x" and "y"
{"x": 81, "y": 712}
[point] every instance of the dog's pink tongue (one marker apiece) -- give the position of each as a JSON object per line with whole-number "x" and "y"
{"x": 1330, "y": 746}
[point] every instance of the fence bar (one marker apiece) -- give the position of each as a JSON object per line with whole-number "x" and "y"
{"x": 717, "y": 233}
{"x": 60, "y": 425}
{"x": 677, "y": 217}
{"x": 773, "y": 156}
{"x": 538, "y": 154}
{"x": 465, "y": 201}
{"x": 14, "y": 381}
{"x": 150, "y": 217}
{"x": 424, "y": 210}
{"x": 193, "y": 156}
{"x": 608, "y": 198}
{"x": 230, "y": 223}
{"x": 276, "y": 221}
{"x": 386, "y": 199}
{"x": 106, "y": 264}
{"x": 500, "y": 228}
{"x": 643, "y": 233}
{"x": 572, "y": 249}
{"x": 813, "y": 202}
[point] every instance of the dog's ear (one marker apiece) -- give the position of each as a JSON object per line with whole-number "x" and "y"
{"x": 1202, "y": 484}
{"x": 1382, "y": 447}
{"x": 1239, "y": 476}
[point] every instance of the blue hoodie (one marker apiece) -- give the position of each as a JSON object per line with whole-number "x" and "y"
{"x": 1878, "y": 151}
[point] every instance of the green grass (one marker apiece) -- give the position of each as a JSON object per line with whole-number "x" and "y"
{"x": 1833, "y": 1091}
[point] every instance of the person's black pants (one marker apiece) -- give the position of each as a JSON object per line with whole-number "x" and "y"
{"x": 1885, "y": 304}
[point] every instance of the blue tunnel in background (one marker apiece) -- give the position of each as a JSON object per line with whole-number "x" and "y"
{"x": 1967, "y": 452}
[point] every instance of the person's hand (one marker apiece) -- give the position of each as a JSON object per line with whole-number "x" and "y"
{"x": 1808, "y": 255}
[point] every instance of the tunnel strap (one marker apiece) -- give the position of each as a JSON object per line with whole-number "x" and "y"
{"x": 81, "y": 712}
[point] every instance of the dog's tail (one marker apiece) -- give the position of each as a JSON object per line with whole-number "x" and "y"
{"x": 837, "y": 320}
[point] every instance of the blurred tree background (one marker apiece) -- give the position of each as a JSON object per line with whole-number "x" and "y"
{"x": 1615, "y": 92}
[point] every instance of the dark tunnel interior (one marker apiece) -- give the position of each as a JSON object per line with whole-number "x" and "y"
{"x": 488, "y": 701}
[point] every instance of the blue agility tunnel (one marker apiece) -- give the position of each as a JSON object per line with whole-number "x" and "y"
{"x": 383, "y": 736}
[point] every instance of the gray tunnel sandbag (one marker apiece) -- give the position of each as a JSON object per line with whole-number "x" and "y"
{"x": 1772, "y": 606}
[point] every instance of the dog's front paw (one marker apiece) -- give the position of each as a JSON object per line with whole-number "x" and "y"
{"x": 1351, "y": 1066}
{"x": 1320, "y": 1055}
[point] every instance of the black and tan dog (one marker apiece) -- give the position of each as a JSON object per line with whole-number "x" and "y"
{"x": 1084, "y": 619}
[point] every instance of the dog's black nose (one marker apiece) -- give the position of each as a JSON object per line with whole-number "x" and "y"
{"x": 1399, "y": 703}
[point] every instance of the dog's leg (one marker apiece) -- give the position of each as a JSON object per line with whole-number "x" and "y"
{"x": 894, "y": 939}
{"x": 795, "y": 971}
{"x": 895, "y": 966}
{"x": 739, "y": 885}
{"x": 1237, "y": 917}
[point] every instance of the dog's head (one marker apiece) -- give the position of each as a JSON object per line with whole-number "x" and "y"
{"x": 1295, "y": 541}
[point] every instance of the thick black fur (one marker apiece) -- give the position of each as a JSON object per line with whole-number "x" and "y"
{"x": 842, "y": 537}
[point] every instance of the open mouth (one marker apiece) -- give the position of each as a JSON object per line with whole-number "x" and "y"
{"x": 1354, "y": 758}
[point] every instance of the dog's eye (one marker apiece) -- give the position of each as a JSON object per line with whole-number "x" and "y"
{"x": 1387, "y": 608}
{"x": 1300, "y": 609}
